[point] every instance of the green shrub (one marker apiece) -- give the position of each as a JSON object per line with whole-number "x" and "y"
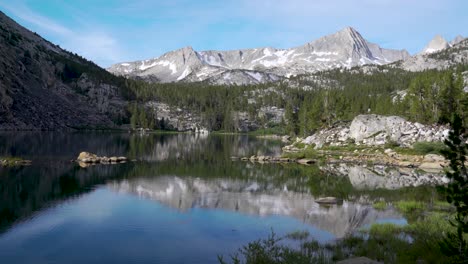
{"x": 385, "y": 230}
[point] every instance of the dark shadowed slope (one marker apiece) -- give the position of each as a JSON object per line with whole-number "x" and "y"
{"x": 43, "y": 87}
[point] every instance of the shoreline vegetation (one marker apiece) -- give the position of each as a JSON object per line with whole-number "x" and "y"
{"x": 414, "y": 242}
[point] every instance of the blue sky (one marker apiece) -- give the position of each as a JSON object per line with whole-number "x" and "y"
{"x": 111, "y": 31}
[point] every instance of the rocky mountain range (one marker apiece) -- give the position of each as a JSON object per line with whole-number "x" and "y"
{"x": 345, "y": 48}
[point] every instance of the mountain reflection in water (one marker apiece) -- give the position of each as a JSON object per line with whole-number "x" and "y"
{"x": 252, "y": 198}
{"x": 182, "y": 193}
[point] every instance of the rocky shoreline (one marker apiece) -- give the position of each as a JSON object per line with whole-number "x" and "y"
{"x": 430, "y": 162}
{"x": 373, "y": 139}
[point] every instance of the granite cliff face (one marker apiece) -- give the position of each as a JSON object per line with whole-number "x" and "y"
{"x": 346, "y": 48}
{"x": 43, "y": 87}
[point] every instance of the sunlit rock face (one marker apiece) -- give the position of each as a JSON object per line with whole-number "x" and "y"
{"x": 252, "y": 198}
{"x": 375, "y": 177}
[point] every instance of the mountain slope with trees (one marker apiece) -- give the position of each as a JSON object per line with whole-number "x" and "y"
{"x": 44, "y": 87}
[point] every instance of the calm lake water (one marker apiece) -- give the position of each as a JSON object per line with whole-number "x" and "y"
{"x": 182, "y": 201}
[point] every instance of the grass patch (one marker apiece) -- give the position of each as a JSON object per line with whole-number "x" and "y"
{"x": 348, "y": 148}
{"x": 423, "y": 148}
{"x": 299, "y": 145}
{"x": 381, "y": 205}
{"x": 306, "y": 153}
{"x": 408, "y": 207}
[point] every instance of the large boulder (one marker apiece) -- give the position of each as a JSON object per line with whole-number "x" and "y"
{"x": 88, "y": 157}
{"x": 378, "y": 130}
{"x": 367, "y": 126}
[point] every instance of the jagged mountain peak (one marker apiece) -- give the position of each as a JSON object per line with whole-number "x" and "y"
{"x": 344, "y": 36}
{"x": 436, "y": 44}
{"x": 349, "y": 31}
{"x": 456, "y": 40}
{"x": 344, "y": 48}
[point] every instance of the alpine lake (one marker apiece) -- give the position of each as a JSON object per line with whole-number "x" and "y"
{"x": 181, "y": 199}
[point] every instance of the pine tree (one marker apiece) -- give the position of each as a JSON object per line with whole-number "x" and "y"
{"x": 454, "y": 244}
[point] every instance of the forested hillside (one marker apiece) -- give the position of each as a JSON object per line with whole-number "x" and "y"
{"x": 319, "y": 100}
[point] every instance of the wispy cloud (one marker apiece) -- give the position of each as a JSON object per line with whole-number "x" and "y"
{"x": 93, "y": 43}
{"x": 111, "y": 31}
{"x": 20, "y": 10}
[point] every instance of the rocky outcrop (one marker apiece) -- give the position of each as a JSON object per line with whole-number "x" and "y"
{"x": 276, "y": 159}
{"x": 176, "y": 119}
{"x": 375, "y": 130}
{"x": 183, "y": 120}
{"x": 268, "y": 115}
{"x": 86, "y": 158}
{"x": 271, "y": 114}
{"x": 244, "y": 122}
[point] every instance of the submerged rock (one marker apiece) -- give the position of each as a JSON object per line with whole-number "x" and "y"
{"x": 328, "y": 200}
{"x": 305, "y": 161}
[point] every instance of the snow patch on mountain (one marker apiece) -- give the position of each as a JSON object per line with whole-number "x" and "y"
{"x": 346, "y": 48}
